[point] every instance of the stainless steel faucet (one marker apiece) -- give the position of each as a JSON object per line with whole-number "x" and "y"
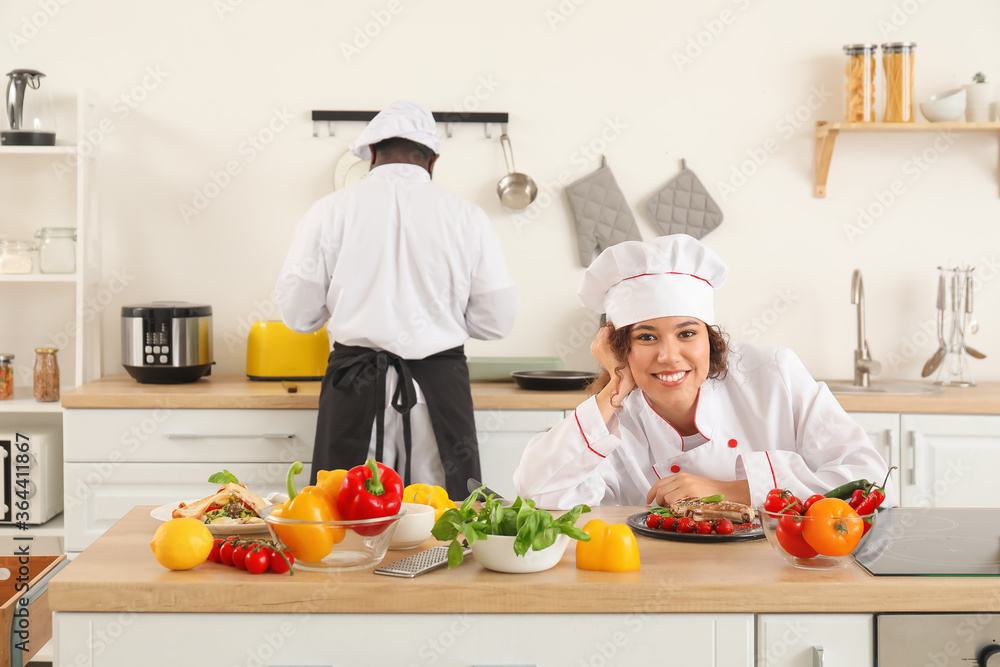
{"x": 864, "y": 365}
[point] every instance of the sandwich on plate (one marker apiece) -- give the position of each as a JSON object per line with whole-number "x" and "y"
{"x": 233, "y": 503}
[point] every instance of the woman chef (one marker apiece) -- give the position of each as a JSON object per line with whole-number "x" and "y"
{"x": 405, "y": 272}
{"x": 682, "y": 412}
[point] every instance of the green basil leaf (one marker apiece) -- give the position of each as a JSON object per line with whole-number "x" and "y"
{"x": 717, "y": 498}
{"x": 571, "y": 517}
{"x": 448, "y": 526}
{"x": 224, "y": 477}
{"x": 660, "y": 511}
{"x": 456, "y": 554}
{"x": 575, "y": 533}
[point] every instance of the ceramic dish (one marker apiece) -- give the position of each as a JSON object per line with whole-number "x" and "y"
{"x": 637, "y": 522}
{"x": 414, "y": 528}
{"x": 350, "y": 169}
{"x": 163, "y": 513}
{"x": 496, "y": 552}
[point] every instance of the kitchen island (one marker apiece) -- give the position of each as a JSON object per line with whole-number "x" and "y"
{"x": 712, "y": 604}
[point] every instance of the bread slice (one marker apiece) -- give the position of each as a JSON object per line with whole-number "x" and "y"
{"x": 226, "y": 492}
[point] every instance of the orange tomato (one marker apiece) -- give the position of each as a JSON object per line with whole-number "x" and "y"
{"x": 833, "y": 527}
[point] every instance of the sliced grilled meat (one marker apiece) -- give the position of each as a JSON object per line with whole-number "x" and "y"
{"x": 699, "y": 511}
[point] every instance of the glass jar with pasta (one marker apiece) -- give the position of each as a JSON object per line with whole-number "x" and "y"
{"x": 860, "y": 83}
{"x": 897, "y": 63}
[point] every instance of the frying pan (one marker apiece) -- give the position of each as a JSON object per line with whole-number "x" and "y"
{"x": 516, "y": 190}
{"x": 553, "y": 380}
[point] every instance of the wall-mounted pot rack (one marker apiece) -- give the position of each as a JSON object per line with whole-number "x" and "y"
{"x": 449, "y": 118}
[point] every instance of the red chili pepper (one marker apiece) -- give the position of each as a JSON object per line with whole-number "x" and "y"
{"x": 857, "y": 498}
{"x": 370, "y": 491}
{"x": 867, "y": 506}
{"x": 879, "y": 497}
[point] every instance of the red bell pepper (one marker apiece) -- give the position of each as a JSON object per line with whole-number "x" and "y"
{"x": 370, "y": 491}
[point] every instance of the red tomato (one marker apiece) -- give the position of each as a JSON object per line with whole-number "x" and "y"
{"x": 810, "y": 500}
{"x": 724, "y": 527}
{"x": 834, "y": 528}
{"x": 704, "y": 527}
{"x": 794, "y": 544}
{"x": 778, "y": 499}
{"x": 240, "y": 556}
{"x": 226, "y": 553}
{"x": 791, "y": 523}
{"x": 653, "y": 521}
{"x": 213, "y": 555}
{"x": 257, "y": 562}
{"x": 278, "y": 563}
{"x": 669, "y": 523}
{"x": 685, "y": 525}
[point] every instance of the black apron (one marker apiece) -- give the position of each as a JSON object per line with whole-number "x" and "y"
{"x": 352, "y": 396}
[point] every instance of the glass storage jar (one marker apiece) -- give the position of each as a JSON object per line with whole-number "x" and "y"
{"x": 6, "y": 377}
{"x": 15, "y": 256}
{"x": 860, "y": 83}
{"x": 56, "y": 249}
{"x": 46, "y": 375}
{"x": 897, "y": 63}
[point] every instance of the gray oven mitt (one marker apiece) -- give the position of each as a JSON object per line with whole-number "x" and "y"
{"x": 603, "y": 219}
{"x": 683, "y": 206}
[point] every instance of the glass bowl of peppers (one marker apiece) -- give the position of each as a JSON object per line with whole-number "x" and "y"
{"x": 822, "y": 536}
{"x": 345, "y": 522}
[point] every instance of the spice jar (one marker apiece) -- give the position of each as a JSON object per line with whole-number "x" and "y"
{"x": 56, "y": 249}
{"x": 897, "y": 63}
{"x": 6, "y": 377}
{"x": 860, "y": 83}
{"x": 46, "y": 375}
{"x": 15, "y": 256}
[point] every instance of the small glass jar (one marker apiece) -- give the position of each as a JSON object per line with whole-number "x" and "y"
{"x": 897, "y": 63}
{"x": 15, "y": 256}
{"x": 56, "y": 249}
{"x": 6, "y": 377}
{"x": 860, "y": 83}
{"x": 46, "y": 375}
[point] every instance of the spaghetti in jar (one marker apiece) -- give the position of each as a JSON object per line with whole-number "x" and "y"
{"x": 860, "y": 83}
{"x": 897, "y": 63}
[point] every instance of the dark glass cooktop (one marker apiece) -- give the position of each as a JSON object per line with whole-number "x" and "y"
{"x": 933, "y": 541}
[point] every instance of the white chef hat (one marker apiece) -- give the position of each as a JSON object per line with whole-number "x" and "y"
{"x": 642, "y": 280}
{"x": 400, "y": 119}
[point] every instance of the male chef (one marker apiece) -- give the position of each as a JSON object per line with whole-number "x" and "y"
{"x": 403, "y": 272}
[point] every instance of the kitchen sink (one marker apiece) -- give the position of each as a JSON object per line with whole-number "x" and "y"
{"x": 900, "y": 387}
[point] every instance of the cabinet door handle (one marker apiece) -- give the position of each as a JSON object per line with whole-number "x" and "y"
{"x": 887, "y": 445}
{"x": 243, "y": 436}
{"x": 817, "y": 656}
{"x": 912, "y": 437}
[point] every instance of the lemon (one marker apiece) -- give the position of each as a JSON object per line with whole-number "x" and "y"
{"x": 181, "y": 544}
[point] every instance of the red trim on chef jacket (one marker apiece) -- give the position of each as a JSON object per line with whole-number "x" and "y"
{"x": 768, "y": 455}
{"x": 696, "y": 399}
{"x": 668, "y": 273}
{"x": 585, "y": 436}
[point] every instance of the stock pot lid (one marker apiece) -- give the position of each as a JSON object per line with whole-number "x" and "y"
{"x": 167, "y": 309}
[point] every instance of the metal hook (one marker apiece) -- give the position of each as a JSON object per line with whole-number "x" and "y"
{"x": 684, "y": 164}
{"x": 604, "y": 160}
{"x": 447, "y": 129}
{"x": 486, "y": 127}
{"x": 332, "y": 127}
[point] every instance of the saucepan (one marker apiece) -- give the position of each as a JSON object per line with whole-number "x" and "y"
{"x": 516, "y": 190}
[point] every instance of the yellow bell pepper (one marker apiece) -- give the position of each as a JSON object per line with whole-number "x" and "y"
{"x": 330, "y": 481}
{"x": 612, "y": 548}
{"x": 307, "y": 543}
{"x": 425, "y": 494}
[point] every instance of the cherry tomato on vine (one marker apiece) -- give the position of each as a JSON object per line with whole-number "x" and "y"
{"x": 240, "y": 555}
{"x": 257, "y": 561}
{"x": 653, "y": 521}
{"x": 278, "y": 563}
{"x": 724, "y": 527}
{"x": 791, "y": 523}
{"x": 778, "y": 499}
{"x": 213, "y": 555}
{"x": 816, "y": 497}
{"x": 669, "y": 524}
{"x": 685, "y": 525}
{"x": 226, "y": 552}
{"x": 703, "y": 527}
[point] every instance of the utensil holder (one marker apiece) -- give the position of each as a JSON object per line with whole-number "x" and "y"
{"x": 954, "y": 370}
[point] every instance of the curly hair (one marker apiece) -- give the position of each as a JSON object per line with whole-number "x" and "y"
{"x": 620, "y": 341}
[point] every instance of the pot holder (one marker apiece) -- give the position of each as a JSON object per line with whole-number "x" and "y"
{"x": 602, "y": 216}
{"x": 683, "y": 206}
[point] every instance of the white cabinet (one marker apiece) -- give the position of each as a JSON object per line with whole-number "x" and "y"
{"x": 443, "y": 640}
{"x": 950, "y": 460}
{"x": 503, "y": 436}
{"x": 815, "y": 640}
{"x": 883, "y": 430}
{"x": 116, "y": 459}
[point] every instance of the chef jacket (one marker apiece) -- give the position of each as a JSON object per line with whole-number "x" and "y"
{"x": 768, "y": 421}
{"x": 421, "y": 270}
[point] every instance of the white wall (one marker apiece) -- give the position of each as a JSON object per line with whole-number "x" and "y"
{"x": 572, "y": 75}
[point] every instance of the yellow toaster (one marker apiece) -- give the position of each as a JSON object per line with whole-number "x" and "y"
{"x": 275, "y": 352}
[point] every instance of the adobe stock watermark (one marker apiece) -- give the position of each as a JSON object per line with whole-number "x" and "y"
{"x": 366, "y": 33}
{"x": 582, "y": 158}
{"x": 122, "y": 107}
{"x": 32, "y": 25}
{"x": 563, "y": 11}
{"x": 769, "y": 316}
{"x": 901, "y": 14}
{"x": 700, "y": 42}
{"x": 247, "y": 152}
{"x": 785, "y": 127}
{"x": 882, "y": 200}
{"x": 224, "y": 7}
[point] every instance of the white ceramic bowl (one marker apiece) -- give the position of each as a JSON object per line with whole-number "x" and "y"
{"x": 496, "y": 553}
{"x": 414, "y": 528}
{"x": 944, "y": 107}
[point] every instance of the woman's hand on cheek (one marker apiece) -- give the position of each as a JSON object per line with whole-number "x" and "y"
{"x": 684, "y": 485}
{"x": 601, "y": 349}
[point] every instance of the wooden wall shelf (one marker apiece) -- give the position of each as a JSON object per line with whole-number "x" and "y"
{"x": 826, "y": 135}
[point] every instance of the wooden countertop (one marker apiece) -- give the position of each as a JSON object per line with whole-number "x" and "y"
{"x": 236, "y": 391}
{"x": 118, "y": 573}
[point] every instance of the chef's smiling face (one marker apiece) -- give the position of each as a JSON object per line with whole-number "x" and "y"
{"x": 670, "y": 359}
